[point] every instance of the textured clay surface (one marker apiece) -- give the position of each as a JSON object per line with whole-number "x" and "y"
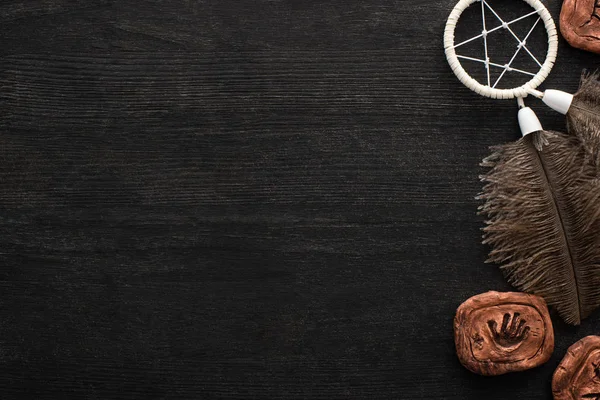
{"x": 496, "y": 333}
{"x": 578, "y": 374}
{"x": 580, "y": 24}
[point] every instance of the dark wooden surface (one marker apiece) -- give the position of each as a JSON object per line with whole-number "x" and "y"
{"x": 244, "y": 199}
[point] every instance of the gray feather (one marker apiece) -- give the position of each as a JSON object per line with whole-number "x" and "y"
{"x": 542, "y": 205}
{"x": 583, "y": 117}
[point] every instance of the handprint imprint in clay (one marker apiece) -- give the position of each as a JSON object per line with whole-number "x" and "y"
{"x": 496, "y": 333}
{"x": 511, "y": 333}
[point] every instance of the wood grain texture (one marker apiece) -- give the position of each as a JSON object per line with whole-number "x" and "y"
{"x": 248, "y": 199}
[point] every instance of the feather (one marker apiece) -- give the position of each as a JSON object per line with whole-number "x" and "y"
{"x": 583, "y": 117}
{"x": 542, "y": 205}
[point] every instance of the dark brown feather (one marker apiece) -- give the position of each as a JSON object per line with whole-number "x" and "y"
{"x": 583, "y": 117}
{"x": 542, "y": 203}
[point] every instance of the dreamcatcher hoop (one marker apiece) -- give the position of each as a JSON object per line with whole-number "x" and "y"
{"x": 488, "y": 90}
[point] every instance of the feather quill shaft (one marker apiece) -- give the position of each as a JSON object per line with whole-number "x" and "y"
{"x": 542, "y": 208}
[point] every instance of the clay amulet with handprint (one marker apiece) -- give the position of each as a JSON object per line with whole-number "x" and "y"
{"x": 496, "y": 333}
{"x": 578, "y": 374}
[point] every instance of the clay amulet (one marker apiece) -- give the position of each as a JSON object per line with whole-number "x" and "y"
{"x": 578, "y": 374}
{"x": 580, "y": 24}
{"x": 496, "y": 333}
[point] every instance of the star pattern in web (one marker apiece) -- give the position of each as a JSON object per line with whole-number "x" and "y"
{"x": 521, "y": 44}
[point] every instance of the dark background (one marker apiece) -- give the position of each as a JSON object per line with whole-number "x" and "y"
{"x": 245, "y": 199}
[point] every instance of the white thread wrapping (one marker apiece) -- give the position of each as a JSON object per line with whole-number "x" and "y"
{"x": 468, "y": 81}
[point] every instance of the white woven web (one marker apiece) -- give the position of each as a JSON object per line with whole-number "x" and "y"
{"x": 490, "y": 88}
{"x": 521, "y": 43}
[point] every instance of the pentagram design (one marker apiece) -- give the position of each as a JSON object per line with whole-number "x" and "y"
{"x": 521, "y": 43}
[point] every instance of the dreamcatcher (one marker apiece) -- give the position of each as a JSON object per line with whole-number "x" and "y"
{"x": 540, "y": 197}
